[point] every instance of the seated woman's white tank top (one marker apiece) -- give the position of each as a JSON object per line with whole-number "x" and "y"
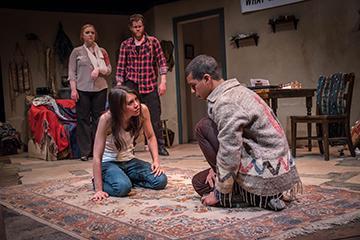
{"x": 111, "y": 153}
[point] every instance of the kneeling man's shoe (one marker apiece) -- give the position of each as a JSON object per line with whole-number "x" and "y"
{"x": 163, "y": 151}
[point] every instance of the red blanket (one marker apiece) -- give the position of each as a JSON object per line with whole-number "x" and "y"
{"x": 43, "y": 121}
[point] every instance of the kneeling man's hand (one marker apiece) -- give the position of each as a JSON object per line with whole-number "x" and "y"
{"x": 210, "y": 179}
{"x": 209, "y": 200}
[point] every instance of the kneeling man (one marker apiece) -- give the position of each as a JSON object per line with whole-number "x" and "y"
{"x": 242, "y": 141}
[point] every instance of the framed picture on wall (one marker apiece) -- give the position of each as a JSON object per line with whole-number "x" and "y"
{"x": 189, "y": 51}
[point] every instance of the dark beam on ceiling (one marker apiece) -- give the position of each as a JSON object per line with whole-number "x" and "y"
{"x": 121, "y": 7}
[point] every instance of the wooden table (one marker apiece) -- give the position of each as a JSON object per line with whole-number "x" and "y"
{"x": 272, "y": 95}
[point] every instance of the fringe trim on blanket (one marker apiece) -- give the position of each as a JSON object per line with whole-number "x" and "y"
{"x": 240, "y": 195}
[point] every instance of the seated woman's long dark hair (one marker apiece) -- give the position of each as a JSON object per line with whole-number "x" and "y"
{"x": 117, "y": 106}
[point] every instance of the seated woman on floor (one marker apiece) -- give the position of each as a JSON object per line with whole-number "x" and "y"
{"x": 115, "y": 167}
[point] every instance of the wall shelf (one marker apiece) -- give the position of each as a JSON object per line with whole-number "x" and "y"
{"x": 245, "y": 37}
{"x": 283, "y": 20}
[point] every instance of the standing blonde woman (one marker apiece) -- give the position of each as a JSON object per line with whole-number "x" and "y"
{"x": 89, "y": 65}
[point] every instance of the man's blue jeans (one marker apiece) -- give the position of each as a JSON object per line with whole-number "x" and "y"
{"x": 119, "y": 177}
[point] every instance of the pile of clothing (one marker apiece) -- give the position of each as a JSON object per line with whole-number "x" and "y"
{"x": 53, "y": 125}
{"x": 10, "y": 140}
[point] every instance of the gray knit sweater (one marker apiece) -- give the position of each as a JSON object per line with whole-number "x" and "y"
{"x": 253, "y": 150}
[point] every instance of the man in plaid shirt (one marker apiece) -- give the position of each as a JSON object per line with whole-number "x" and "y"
{"x": 140, "y": 60}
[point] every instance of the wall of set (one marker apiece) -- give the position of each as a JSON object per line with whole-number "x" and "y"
{"x": 327, "y": 41}
{"x": 16, "y": 23}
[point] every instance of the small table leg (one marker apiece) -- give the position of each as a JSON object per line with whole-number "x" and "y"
{"x": 274, "y": 105}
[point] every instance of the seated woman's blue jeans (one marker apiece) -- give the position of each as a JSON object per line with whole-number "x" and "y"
{"x": 120, "y": 177}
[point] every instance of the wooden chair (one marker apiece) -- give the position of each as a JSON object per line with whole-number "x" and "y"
{"x": 332, "y": 119}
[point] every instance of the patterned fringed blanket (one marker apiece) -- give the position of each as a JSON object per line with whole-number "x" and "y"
{"x": 174, "y": 213}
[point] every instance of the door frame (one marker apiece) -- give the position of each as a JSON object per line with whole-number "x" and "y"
{"x": 220, "y": 13}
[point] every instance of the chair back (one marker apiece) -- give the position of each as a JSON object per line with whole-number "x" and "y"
{"x": 333, "y": 97}
{"x": 334, "y": 94}
{"x": 350, "y": 78}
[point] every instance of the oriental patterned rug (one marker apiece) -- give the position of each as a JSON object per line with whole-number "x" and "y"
{"x": 174, "y": 213}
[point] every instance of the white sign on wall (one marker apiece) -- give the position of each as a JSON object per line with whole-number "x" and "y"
{"x": 254, "y": 5}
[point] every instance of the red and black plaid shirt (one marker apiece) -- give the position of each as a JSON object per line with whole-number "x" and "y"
{"x": 141, "y": 67}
